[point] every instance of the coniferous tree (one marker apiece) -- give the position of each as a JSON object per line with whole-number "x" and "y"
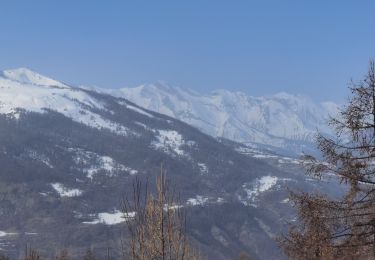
{"x": 345, "y": 227}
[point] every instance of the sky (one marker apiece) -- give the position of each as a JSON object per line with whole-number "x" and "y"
{"x": 263, "y": 47}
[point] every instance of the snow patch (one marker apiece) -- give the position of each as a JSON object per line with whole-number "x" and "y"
{"x": 106, "y": 163}
{"x": 64, "y": 191}
{"x": 112, "y": 218}
{"x": 203, "y": 168}
{"x": 93, "y": 163}
{"x": 169, "y": 141}
{"x": 220, "y": 200}
{"x": 197, "y": 201}
{"x": 6, "y": 234}
{"x": 172, "y": 207}
{"x": 255, "y": 188}
{"x": 264, "y": 156}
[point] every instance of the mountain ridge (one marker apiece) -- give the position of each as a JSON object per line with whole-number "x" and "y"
{"x": 285, "y": 121}
{"x": 282, "y": 120}
{"x": 28, "y": 76}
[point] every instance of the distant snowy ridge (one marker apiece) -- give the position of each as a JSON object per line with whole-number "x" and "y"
{"x": 282, "y": 120}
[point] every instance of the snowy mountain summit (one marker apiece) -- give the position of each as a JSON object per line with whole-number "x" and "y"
{"x": 26, "y": 76}
{"x": 283, "y": 120}
{"x": 22, "y": 90}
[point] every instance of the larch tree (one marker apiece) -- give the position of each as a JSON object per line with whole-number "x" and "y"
{"x": 157, "y": 226}
{"x": 345, "y": 227}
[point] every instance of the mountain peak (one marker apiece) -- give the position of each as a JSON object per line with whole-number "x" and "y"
{"x": 162, "y": 85}
{"x": 27, "y": 76}
{"x": 288, "y": 96}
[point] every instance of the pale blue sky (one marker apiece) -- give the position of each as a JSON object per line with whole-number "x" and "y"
{"x": 258, "y": 47}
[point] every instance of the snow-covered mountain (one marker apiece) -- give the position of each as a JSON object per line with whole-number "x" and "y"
{"x": 69, "y": 154}
{"x": 283, "y": 120}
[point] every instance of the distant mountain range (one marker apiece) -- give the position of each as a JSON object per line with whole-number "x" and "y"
{"x": 285, "y": 121}
{"x": 68, "y": 155}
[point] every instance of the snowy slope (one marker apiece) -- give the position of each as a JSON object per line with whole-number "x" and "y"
{"x": 282, "y": 120}
{"x": 25, "y": 90}
{"x": 26, "y": 76}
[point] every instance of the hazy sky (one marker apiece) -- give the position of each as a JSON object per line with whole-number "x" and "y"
{"x": 258, "y": 47}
